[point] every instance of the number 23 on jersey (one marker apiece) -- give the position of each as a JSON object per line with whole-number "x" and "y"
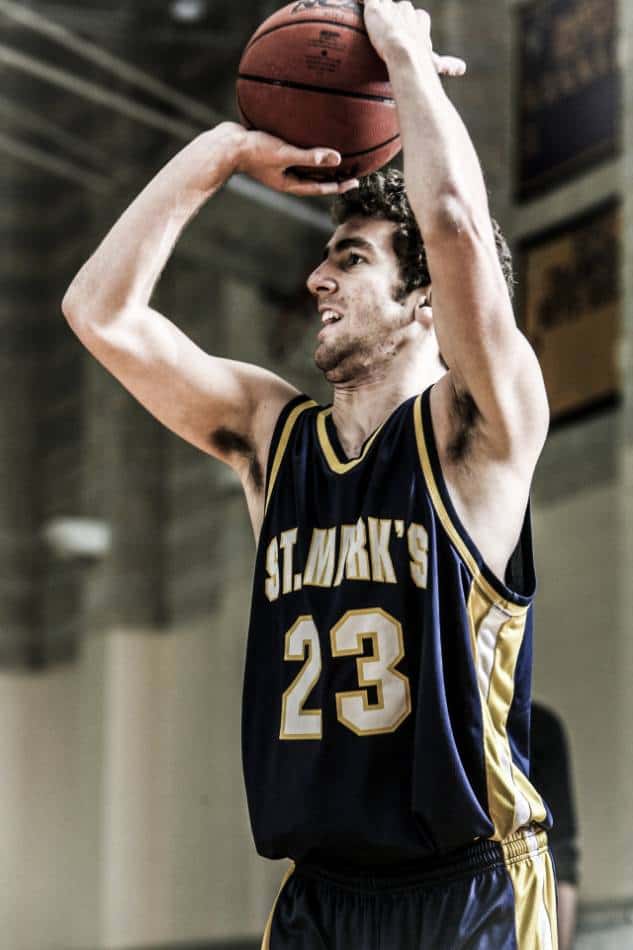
{"x": 354, "y": 709}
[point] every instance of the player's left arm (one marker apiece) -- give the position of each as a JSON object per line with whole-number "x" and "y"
{"x": 489, "y": 358}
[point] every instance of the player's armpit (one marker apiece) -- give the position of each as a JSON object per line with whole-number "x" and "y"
{"x": 509, "y": 407}
{"x": 224, "y": 407}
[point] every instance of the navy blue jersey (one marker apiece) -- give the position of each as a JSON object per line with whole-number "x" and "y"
{"x": 387, "y": 682}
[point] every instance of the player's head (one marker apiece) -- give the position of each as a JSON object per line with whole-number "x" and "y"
{"x": 384, "y": 297}
{"x": 383, "y": 195}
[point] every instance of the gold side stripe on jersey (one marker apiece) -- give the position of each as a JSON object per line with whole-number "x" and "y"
{"x": 283, "y": 444}
{"x": 269, "y": 922}
{"x": 530, "y": 869}
{"x": 447, "y": 522}
{"x": 496, "y": 639}
{"x": 328, "y": 450}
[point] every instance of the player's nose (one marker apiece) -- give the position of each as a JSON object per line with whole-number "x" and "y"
{"x": 321, "y": 281}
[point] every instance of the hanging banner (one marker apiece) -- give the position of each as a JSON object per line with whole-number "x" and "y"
{"x": 568, "y": 90}
{"x": 571, "y": 303}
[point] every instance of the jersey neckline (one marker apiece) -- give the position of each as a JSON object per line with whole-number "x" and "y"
{"x": 331, "y": 446}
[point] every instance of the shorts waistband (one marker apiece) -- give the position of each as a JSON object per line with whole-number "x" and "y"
{"x": 481, "y": 855}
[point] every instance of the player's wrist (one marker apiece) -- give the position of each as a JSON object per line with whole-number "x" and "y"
{"x": 213, "y": 156}
{"x": 246, "y": 154}
{"x": 402, "y": 54}
{"x": 257, "y": 150}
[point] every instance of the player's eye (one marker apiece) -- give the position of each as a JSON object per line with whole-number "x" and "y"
{"x": 353, "y": 259}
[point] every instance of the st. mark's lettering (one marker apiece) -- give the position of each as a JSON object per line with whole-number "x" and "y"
{"x": 352, "y": 552}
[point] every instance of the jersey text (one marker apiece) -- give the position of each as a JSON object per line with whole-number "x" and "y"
{"x": 353, "y": 552}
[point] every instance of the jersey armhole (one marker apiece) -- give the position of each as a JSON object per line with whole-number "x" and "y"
{"x": 281, "y": 436}
{"x": 520, "y": 570}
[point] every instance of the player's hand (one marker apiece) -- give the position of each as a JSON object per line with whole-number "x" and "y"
{"x": 273, "y": 162}
{"x": 396, "y": 26}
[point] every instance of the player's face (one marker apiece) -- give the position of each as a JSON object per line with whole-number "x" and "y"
{"x": 363, "y": 324}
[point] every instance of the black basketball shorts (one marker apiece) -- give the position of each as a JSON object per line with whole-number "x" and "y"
{"x": 487, "y": 896}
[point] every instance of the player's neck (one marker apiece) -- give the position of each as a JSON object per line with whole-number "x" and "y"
{"x": 361, "y": 408}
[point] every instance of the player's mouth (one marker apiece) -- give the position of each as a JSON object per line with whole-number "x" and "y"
{"x": 329, "y": 318}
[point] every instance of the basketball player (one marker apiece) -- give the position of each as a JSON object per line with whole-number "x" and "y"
{"x": 387, "y": 685}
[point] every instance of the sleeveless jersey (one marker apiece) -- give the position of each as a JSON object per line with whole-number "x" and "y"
{"x": 388, "y": 671}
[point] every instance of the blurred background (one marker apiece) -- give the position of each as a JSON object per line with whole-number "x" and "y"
{"x": 126, "y": 555}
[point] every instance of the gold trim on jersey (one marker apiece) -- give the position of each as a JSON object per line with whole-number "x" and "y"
{"x": 269, "y": 923}
{"x": 497, "y": 627}
{"x": 283, "y": 444}
{"x": 529, "y": 866}
{"x": 451, "y": 529}
{"x": 496, "y": 638}
{"x": 328, "y": 449}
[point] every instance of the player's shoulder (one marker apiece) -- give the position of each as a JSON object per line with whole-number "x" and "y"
{"x": 515, "y": 434}
{"x": 287, "y": 422}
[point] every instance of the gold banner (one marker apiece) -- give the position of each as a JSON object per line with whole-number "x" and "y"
{"x": 571, "y": 299}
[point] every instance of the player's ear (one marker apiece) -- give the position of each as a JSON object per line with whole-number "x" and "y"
{"x": 423, "y": 306}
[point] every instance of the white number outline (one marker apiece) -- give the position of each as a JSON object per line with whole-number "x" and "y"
{"x": 304, "y": 682}
{"x": 347, "y": 703}
{"x": 296, "y": 695}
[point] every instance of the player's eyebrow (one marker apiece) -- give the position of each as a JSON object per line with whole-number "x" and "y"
{"x": 345, "y": 243}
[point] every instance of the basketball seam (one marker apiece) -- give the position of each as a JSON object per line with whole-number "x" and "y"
{"x": 280, "y": 26}
{"x": 244, "y": 116}
{"x": 374, "y": 148}
{"x": 307, "y": 87}
{"x": 364, "y": 151}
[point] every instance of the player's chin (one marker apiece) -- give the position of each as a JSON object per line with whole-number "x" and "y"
{"x": 328, "y": 358}
{"x": 339, "y": 364}
{"x": 323, "y": 357}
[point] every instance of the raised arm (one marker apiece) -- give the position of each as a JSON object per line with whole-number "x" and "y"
{"x": 489, "y": 359}
{"x": 225, "y": 408}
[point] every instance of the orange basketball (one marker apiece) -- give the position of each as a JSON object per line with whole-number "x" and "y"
{"x": 311, "y": 76}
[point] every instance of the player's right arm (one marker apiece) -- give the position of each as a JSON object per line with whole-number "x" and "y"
{"x": 223, "y": 407}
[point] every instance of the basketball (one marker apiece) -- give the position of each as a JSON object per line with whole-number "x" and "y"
{"x": 310, "y": 76}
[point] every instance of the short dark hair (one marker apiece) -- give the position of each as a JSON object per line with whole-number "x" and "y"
{"x": 382, "y": 195}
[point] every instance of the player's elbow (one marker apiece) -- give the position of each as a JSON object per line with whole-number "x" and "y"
{"x": 70, "y": 304}
{"x": 75, "y": 302}
{"x": 84, "y": 306}
{"x": 454, "y": 219}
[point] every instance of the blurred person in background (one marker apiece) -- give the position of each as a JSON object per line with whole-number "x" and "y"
{"x": 551, "y": 772}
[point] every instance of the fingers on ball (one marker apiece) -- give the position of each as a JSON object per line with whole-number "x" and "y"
{"x": 327, "y": 158}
